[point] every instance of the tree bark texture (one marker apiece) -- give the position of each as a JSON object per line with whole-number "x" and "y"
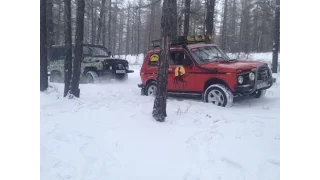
{"x": 75, "y": 79}
{"x": 68, "y": 44}
{"x": 43, "y": 46}
{"x": 186, "y": 18}
{"x": 159, "y": 109}
{"x": 276, "y": 41}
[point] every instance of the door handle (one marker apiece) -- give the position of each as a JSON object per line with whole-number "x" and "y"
{"x": 170, "y": 69}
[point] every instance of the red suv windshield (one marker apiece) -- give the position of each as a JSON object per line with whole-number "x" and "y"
{"x": 208, "y": 54}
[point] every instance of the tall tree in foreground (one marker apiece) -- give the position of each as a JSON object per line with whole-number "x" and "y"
{"x": 159, "y": 108}
{"x": 75, "y": 79}
{"x": 174, "y": 16}
{"x": 276, "y": 40}
{"x": 210, "y": 16}
{"x": 109, "y": 27}
{"x": 43, "y": 48}
{"x": 186, "y": 18}
{"x": 102, "y": 10}
{"x": 68, "y": 41}
{"x": 50, "y": 36}
{"x": 224, "y": 26}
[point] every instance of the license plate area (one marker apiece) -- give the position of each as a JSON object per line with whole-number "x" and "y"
{"x": 120, "y": 71}
{"x": 262, "y": 84}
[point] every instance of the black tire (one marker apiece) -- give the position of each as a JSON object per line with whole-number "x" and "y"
{"x": 259, "y": 93}
{"x": 91, "y": 77}
{"x": 56, "y": 77}
{"x": 218, "y": 89}
{"x": 149, "y": 85}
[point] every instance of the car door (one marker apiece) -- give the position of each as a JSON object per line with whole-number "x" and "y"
{"x": 179, "y": 77}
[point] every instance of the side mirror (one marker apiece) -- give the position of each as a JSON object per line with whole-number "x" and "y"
{"x": 187, "y": 63}
{"x": 109, "y": 53}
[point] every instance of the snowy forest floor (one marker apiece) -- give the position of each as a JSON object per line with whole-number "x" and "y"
{"x": 109, "y": 133}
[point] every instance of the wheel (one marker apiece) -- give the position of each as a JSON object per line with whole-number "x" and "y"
{"x": 56, "y": 77}
{"x": 91, "y": 77}
{"x": 121, "y": 77}
{"x": 219, "y": 95}
{"x": 259, "y": 93}
{"x": 151, "y": 89}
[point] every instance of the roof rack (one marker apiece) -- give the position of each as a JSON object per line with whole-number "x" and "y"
{"x": 184, "y": 40}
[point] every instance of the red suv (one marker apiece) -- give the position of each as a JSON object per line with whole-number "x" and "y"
{"x": 204, "y": 69}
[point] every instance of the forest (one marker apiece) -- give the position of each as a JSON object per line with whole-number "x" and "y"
{"x": 127, "y": 26}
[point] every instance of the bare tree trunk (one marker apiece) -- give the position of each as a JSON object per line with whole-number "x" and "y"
{"x": 114, "y": 37}
{"x": 120, "y": 35}
{"x": 233, "y": 26}
{"x": 132, "y": 34}
{"x": 127, "y": 29}
{"x": 224, "y": 26}
{"x": 151, "y": 23}
{"x": 138, "y": 27}
{"x": 50, "y": 35}
{"x": 43, "y": 48}
{"x": 74, "y": 90}
{"x": 93, "y": 22}
{"x": 276, "y": 41}
{"x": 255, "y": 34}
{"x": 204, "y": 22}
{"x": 109, "y": 27}
{"x": 104, "y": 30}
{"x": 87, "y": 21}
{"x": 102, "y": 9}
{"x": 174, "y": 16}
{"x": 58, "y": 34}
{"x": 210, "y": 16}
{"x": 159, "y": 108}
{"x": 186, "y": 18}
{"x": 68, "y": 44}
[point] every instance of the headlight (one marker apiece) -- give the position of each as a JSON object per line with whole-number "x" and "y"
{"x": 251, "y": 76}
{"x": 240, "y": 79}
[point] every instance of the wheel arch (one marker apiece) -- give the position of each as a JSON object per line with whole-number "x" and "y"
{"x": 150, "y": 80}
{"x": 212, "y": 81}
{"x": 90, "y": 68}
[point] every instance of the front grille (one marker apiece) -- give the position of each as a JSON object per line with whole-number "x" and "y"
{"x": 121, "y": 66}
{"x": 246, "y": 79}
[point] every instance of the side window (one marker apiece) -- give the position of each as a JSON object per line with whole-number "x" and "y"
{"x": 176, "y": 58}
{"x": 154, "y": 59}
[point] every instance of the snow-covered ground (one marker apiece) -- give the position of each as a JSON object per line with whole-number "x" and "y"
{"x": 109, "y": 133}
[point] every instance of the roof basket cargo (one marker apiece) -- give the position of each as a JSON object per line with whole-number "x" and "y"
{"x": 184, "y": 40}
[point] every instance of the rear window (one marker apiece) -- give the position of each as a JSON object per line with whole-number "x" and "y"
{"x": 154, "y": 59}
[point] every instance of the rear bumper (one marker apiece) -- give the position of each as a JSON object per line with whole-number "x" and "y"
{"x": 107, "y": 72}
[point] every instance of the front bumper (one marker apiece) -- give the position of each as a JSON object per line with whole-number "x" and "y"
{"x": 257, "y": 84}
{"x": 142, "y": 89}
